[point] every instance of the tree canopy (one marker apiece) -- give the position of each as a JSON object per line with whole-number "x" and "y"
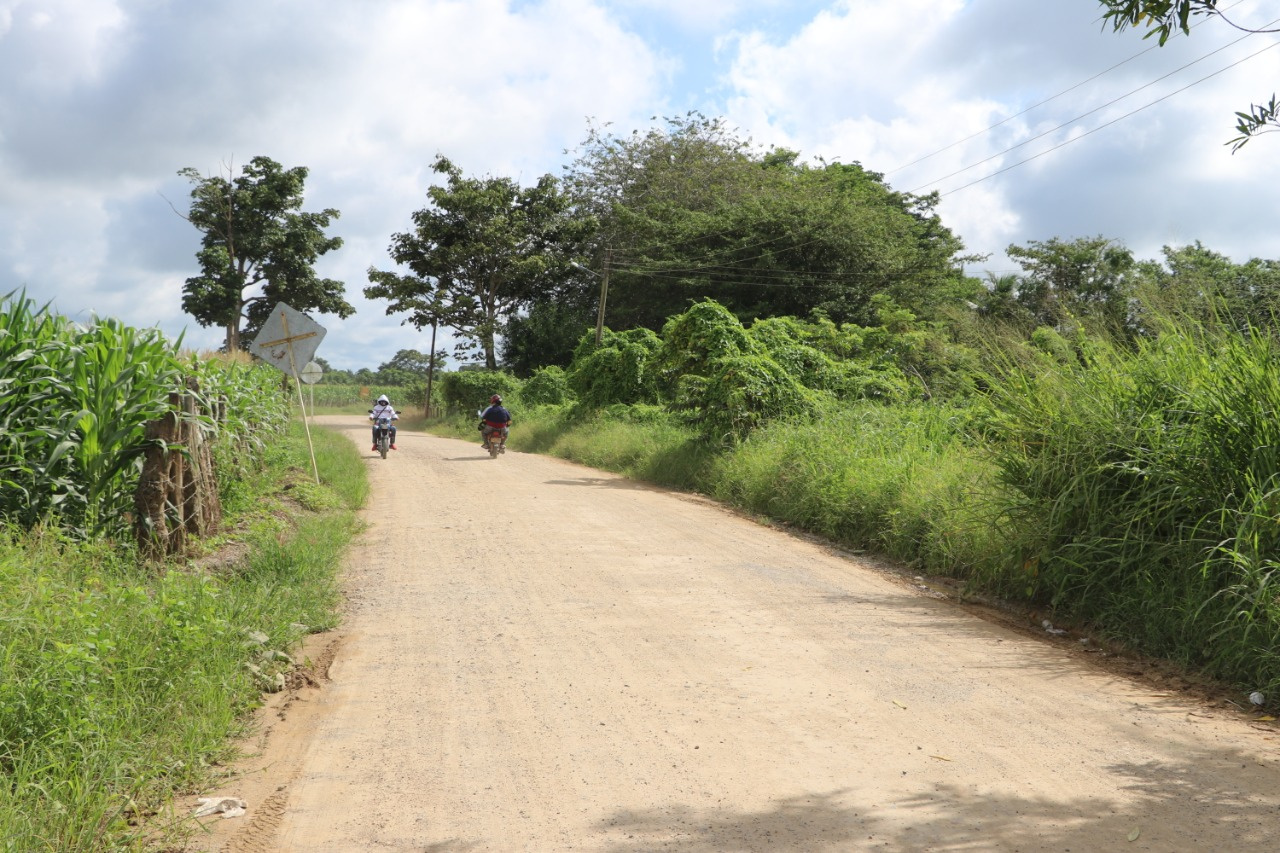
{"x": 691, "y": 210}
{"x": 479, "y": 251}
{"x": 1162, "y": 18}
{"x": 1072, "y": 280}
{"x": 256, "y": 236}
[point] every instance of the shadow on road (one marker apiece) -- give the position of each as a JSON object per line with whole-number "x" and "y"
{"x": 603, "y": 483}
{"x": 947, "y": 817}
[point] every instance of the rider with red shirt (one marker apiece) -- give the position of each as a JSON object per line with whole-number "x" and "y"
{"x": 494, "y": 419}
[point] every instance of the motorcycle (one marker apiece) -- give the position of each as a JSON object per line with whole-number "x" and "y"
{"x": 496, "y": 440}
{"x": 382, "y": 431}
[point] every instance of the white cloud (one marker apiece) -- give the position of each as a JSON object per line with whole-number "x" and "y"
{"x": 103, "y": 102}
{"x": 365, "y": 95}
{"x": 888, "y": 82}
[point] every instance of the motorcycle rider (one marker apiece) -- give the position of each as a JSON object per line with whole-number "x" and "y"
{"x": 493, "y": 419}
{"x": 381, "y": 408}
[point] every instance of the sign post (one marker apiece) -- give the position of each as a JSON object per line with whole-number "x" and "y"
{"x": 288, "y": 337}
{"x": 311, "y": 375}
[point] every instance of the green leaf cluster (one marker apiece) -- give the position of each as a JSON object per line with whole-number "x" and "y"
{"x": 74, "y": 404}
{"x": 259, "y": 249}
{"x": 482, "y": 249}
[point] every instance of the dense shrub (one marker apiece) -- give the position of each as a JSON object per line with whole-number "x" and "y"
{"x": 621, "y": 369}
{"x": 548, "y": 386}
{"x": 465, "y": 391}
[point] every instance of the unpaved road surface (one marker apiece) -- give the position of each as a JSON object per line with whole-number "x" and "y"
{"x": 542, "y": 657}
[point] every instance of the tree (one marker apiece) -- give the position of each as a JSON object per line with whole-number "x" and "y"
{"x": 1162, "y": 17}
{"x": 691, "y": 211}
{"x": 412, "y": 361}
{"x": 547, "y": 334}
{"x": 257, "y": 236}
{"x": 1210, "y": 287}
{"x": 1086, "y": 278}
{"x": 481, "y": 250}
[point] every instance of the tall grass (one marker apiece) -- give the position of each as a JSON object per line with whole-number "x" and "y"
{"x": 900, "y": 480}
{"x": 120, "y": 686}
{"x": 1146, "y": 495}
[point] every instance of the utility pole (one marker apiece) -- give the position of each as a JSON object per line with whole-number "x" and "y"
{"x": 431, "y": 369}
{"x": 604, "y": 295}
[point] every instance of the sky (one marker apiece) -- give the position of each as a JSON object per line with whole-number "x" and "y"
{"x": 1030, "y": 118}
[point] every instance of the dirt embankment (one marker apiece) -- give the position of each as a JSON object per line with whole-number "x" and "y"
{"x": 543, "y": 657}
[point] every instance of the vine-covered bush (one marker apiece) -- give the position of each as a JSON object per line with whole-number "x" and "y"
{"x": 468, "y": 390}
{"x": 548, "y": 386}
{"x": 620, "y": 370}
{"x": 693, "y": 340}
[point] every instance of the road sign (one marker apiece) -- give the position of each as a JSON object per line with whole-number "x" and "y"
{"x": 311, "y": 373}
{"x": 288, "y": 339}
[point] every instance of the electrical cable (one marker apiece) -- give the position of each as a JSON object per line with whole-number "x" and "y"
{"x": 1071, "y": 121}
{"x": 1107, "y": 124}
{"x": 1066, "y": 91}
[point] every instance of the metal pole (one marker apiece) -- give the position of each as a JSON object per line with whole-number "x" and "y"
{"x": 431, "y": 369}
{"x": 604, "y": 295}
{"x": 302, "y": 401}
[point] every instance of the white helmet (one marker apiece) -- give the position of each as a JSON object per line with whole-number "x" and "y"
{"x": 383, "y": 399}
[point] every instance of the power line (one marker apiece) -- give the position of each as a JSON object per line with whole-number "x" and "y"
{"x": 1099, "y": 108}
{"x": 1055, "y": 97}
{"x": 1107, "y": 124}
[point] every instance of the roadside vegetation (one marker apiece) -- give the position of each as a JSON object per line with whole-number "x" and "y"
{"x": 123, "y": 680}
{"x": 1123, "y": 482}
{"x": 1093, "y": 434}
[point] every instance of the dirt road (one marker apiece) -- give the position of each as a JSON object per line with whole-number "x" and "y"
{"x": 542, "y": 657}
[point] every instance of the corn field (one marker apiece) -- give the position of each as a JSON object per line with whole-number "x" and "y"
{"x": 75, "y": 400}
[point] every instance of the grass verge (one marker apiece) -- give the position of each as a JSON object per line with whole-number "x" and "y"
{"x": 121, "y": 684}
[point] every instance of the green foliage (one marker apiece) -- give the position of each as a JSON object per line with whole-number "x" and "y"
{"x": 74, "y": 402}
{"x": 739, "y": 394}
{"x": 482, "y": 249}
{"x": 691, "y": 210}
{"x": 246, "y": 409}
{"x": 548, "y": 386}
{"x": 694, "y": 340}
{"x": 465, "y": 391}
{"x": 725, "y": 382}
{"x": 120, "y": 685}
{"x": 1053, "y": 345}
{"x": 1141, "y": 482}
{"x": 1088, "y": 279}
{"x": 74, "y": 405}
{"x": 257, "y": 235}
{"x": 621, "y": 369}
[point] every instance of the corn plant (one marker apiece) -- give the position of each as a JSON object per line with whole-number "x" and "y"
{"x": 74, "y": 405}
